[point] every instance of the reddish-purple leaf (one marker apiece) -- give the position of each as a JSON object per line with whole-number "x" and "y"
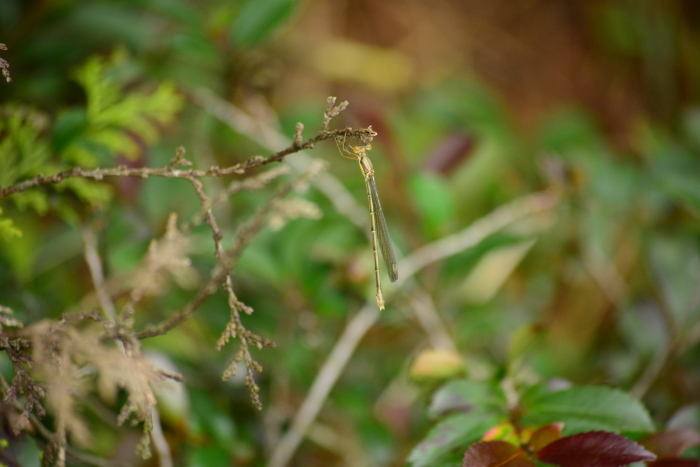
{"x": 495, "y": 454}
{"x": 671, "y": 443}
{"x": 675, "y": 463}
{"x": 451, "y": 152}
{"x": 594, "y": 449}
{"x": 545, "y": 435}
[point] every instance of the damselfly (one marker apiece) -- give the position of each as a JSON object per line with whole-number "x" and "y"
{"x": 357, "y": 149}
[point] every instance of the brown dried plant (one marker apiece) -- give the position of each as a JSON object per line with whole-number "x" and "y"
{"x": 4, "y": 65}
{"x": 94, "y": 348}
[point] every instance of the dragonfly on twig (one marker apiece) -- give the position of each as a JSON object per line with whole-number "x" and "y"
{"x": 355, "y": 148}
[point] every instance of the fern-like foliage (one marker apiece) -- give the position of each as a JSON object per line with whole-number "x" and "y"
{"x": 112, "y": 124}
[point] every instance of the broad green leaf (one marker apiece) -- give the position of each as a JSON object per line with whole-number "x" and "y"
{"x": 493, "y": 269}
{"x": 211, "y": 420}
{"x": 435, "y": 201}
{"x": 453, "y": 434}
{"x": 70, "y": 124}
{"x": 566, "y": 131}
{"x": 467, "y": 395}
{"x": 588, "y": 408}
{"x": 683, "y": 187}
{"x": 256, "y": 20}
{"x": 208, "y": 455}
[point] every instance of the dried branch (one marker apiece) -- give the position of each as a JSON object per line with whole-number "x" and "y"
{"x": 64, "y": 354}
{"x": 332, "y": 111}
{"x": 92, "y": 258}
{"x": 5, "y": 66}
{"x": 6, "y": 320}
{"x": 22, "y": 383}
{"x": 170, "y": 172}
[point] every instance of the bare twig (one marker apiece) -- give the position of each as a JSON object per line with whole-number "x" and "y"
{"x": 429, "y": 319}
{"x": 324, "y": 382}
{"x": 161, "y": 444}
{"x": 219, "y": 272}
{"x": 92, "y": 258}
{"x": 332, "y": 111}
{"x": 268, "y": 137}
{"x": 499, "y": 218}
{"x": 670, "y": 347}
{"x": 169, "y": 172}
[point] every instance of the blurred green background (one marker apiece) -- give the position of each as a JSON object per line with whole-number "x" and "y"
{"x": 476, "y": 105}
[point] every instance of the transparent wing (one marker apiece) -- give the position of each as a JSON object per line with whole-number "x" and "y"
{"x": 383, "y": 233}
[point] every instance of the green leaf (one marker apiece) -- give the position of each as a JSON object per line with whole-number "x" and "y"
{"x": 617, "y": 29}
{"x": 23, "y": 151}
{"x": 37, "y": 200}
{"x": 208, "y": 455}
{"x": 683, "y": 187}
{"x": 435, "y": 201}
{"x": 8, "y": 230}
{"x": 256, "y": 20}
{"x": 588, "y": 408}
{"x": 114, "y": 122}
{"x": 69, "y": 126}
{"x": 451, "y": 437}
{"x": 567, "y": 131}
{"x": 212, "y": 420}
{"x": 96, "y": 194}
{"x": 467, "y": 395}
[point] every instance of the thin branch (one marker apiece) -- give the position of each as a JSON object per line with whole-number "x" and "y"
{"x": 324, "y": 382}
{"x": 159, "y": 442}
{"x": 92, "y": 258}
{"x": 516, "y": 210}
{"x": 670, "y": 347}
{"x": 227, "y": 260}
{"x": 170, "y": 172}
{"x": 268, "y": 137}
{"x": 332, "y": 111}
{"x": 429, "y": 319}
{"x": 49, "y": 435}
{"x": 249, "y": 184}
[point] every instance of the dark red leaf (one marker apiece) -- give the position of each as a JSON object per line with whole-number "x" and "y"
{"x": 675, "y": 463}
{"x": 671, "y": 443}
{"x": 495, "y": 454}
{"x": 594, "y": 449}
